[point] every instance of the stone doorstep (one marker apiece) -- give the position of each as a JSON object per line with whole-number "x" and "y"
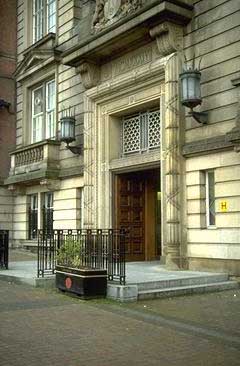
{"x": 133, "y": 292}
{"x": 188, "y": 281}
{"x": 144, "y": 290}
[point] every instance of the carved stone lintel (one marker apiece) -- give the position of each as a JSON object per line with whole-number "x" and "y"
{"x": 51, "y": 184}
{"x": 90, "y": 74}
{"x": 169, "y": 37}
{"x": 18, "y": 190}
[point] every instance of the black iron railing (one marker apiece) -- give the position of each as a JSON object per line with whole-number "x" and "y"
{"x": 4, "y": 243}
{"x": 89, "y": 248}
{"x": 47, "y": 218}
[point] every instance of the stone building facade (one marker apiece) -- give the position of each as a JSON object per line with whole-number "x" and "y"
{"x": 144, "y": 162}
{"x": 8, "y": 41}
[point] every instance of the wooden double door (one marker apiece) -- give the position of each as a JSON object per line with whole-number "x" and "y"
{"x": 136, "y": 211}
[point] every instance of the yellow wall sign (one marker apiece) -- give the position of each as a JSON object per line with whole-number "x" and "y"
{"x": 223, "y": 206}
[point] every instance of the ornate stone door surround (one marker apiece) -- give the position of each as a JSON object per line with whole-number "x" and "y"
{"x": 113, "y": 98}
{"x": 103, "y": 107}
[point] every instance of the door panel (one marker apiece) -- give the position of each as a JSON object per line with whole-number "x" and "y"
{"x": 131, "y": 213}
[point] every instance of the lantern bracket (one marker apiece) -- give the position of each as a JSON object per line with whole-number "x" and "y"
{"x": 200, "y": 117}
{"x": 77, "y": 150}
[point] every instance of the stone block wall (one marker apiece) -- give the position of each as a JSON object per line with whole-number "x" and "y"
{"x": 69, "y": 94}
{"x": 213, "y": 39}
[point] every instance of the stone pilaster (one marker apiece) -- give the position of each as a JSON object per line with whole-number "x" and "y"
{"x": 89, "y": 167}
{"x": 173, "y": 163}
{"x": 169, "y": 38}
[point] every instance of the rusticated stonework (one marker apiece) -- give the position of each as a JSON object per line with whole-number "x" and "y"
{"x": 108, "y": 12}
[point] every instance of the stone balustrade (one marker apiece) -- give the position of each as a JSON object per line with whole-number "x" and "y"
{"x": 34, "y": 162}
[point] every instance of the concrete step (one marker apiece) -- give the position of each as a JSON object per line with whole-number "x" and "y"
{"x": 30, "y": 245}
{"x": 185, "y": 290}
{"x": 178, "y": 282}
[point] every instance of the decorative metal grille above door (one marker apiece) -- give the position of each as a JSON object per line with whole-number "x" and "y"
{"x": 141, "y": 132}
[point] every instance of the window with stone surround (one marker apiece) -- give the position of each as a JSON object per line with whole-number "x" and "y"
{"x": 141, "y": 132}
{"x": 44, "y": 18}
{"x": 43, "y": 119}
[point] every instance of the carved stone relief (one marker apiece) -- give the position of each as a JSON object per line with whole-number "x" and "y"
{"x": 108, "y": 12}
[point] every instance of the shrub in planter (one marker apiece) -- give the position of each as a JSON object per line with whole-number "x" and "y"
{"x": 72, "y": 276}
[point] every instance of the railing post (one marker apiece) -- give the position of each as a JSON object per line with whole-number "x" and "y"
{"x": 110, "y": 250}
{"x": 122, "y": 255}
{"x": 99, "y": 242}
{"x": 6, "y": 245}
{"x": 39, "y": 253}
{"x": 88, "y": 247}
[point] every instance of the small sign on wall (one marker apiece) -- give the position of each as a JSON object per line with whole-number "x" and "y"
{"x": 223, "y": 206}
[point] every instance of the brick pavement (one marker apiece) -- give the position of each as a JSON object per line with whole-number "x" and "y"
{"x": 47, "y": 328}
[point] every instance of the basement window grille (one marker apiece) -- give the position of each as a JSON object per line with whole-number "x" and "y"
{"x": 141, "y": 132}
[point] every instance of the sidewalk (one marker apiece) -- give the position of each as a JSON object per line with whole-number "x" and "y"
{"x": 48, "y": 328}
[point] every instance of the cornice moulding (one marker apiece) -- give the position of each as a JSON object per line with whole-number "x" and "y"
{"x": 37, "y": 57}
{"x": 131, "y": 33}
{"x": 210, "y": 145}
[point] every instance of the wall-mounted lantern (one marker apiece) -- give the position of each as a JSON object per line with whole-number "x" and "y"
{"x": 191, "y": 93}
{"x": 68, "y": 134}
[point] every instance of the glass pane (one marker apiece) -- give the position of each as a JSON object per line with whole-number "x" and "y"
{"x": 48, "y": 200}
{"x": 50, "y": 109}
{"x": 38, "y": 21}
{"x": 37, "y": 128}
{"x": 38, "y": 101}
{"x": 211, "y": 198}
{"x": 51, "y": 95}
{"x": 51, "y": 24}
{"x": 51, "y": 15}
{"x": 50, "y": 128}
{"x": 34, "y": 202}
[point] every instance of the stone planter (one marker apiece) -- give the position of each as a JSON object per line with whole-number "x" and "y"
{"x": 85, "y": 282}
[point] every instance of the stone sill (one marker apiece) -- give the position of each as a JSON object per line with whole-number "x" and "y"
{"x": 151, "y": 158}
{"x": 129, "y": 33}
{"x": 32, "y": 177}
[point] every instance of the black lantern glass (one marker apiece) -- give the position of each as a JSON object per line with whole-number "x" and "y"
{"x": 67, "y": 129}
{"x": 190, "y": 88}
